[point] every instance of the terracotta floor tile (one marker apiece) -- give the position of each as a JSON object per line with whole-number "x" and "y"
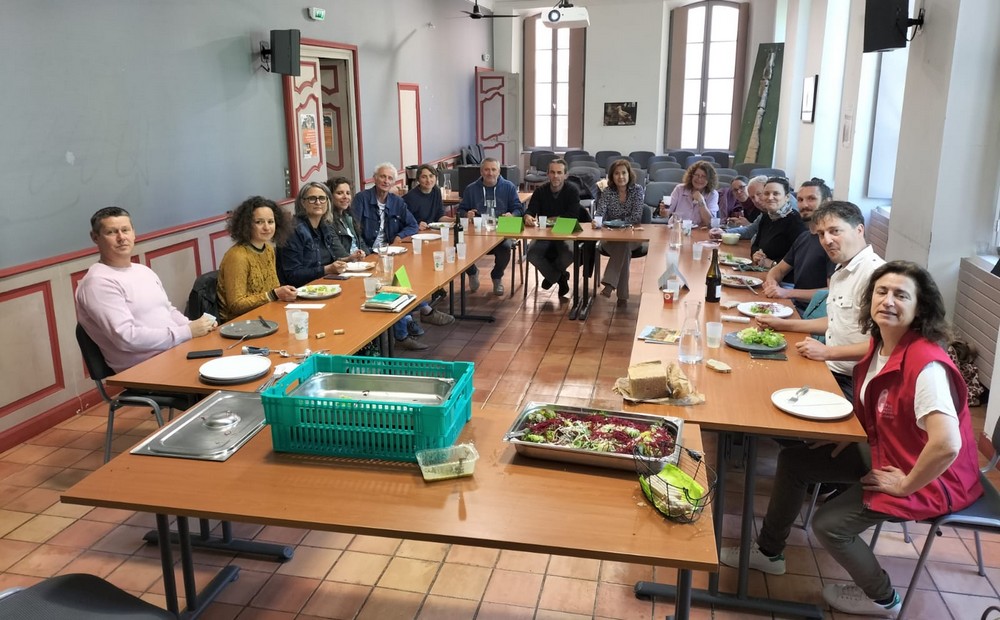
{"x": 137, "y": 574}
{"x": 359, "y": 568}
{"x": 27, "y": 453}
{"x": 577, "y": 568}
{"x": 461, "y": 554}
{"x": 991, "y": 551}
{"x": 514, "y": 587}
{"x": 500, "y": 611}
{"x": 285, "y": 593}
{"x": 310, "y": 562}
{"x": 34, "y": 500}
{"x": 109, "y": 515}
{"x": 624, "y": 573}
{"x": 550, "y": 614}
{"x": 11, "y": 551}
{"x": 11, "y": 520}
{"x": 619, "y": 601}
{"x": 374, "y": 544}
{"x": 94, "y": 563}
{"x": 241, "y": 591}
{"x": 122, "y": 539}
{"x": 928, "y": 605}
{"x": 40, "y": 529}
{"x": 32, "y": 475}
{"x": 44, "y": 561}
{"x": 569, "y": 595}
{"x": 960, "y": 578}
{"x": 281, "y": 535}
{"x": 409, "y": 574}
{"x": 55, "y": 437}
{"x": 385, "y": 604}
{"x": 796, "y": 588}
{"x": 434, "y": 552}
{"x": 341, "y": 601}
{"x": 221, "y": 611}
{"x": 327, "y": 540}
{"x": 13, "y": 580}
{"x": 444, "y": 608}
{"x": 254, "y": 613}
{"x": 461, "y": 581}
{"x": 74, "y": 511}
{"x": 9, "y": 493}
{"x": 523, "y": 561}
{"x": 203, "y": 575}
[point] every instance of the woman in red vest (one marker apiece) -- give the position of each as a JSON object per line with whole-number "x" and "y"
{"x": 919, "y": 462}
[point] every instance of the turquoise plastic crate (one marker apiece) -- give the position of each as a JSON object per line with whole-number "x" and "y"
{"x": 370, "y": 430}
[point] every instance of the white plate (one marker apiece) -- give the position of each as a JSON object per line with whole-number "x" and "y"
{"x": 359, "y": 266}
{"x": 235, "y": 367}
{"x": 777, "y": 310}
{"x": 735, "y": 261}
{"x": 741, "y": 281}
{"x": 318, "y": 291}
{"x": 440, "y": 225}
{"x": 427, "y": 237}
{"x": 392, "y": 250}
{"x": 813, "y": 405}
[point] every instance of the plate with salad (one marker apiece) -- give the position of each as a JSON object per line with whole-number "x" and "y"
{"x": 318, "y": 291}
{"x": 764, "y": 308}
{"x": 734, "y": 261}
{"x": 756, "y": 340}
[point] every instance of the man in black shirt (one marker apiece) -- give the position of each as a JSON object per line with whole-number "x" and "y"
{"x": 557, "y": 198}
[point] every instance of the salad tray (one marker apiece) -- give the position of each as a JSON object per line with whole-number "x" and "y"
{"x": 585, "y": 456}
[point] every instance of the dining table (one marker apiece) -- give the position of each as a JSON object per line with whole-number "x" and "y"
{"x": 511, "y": 501}
{"x": 737, "y": 404}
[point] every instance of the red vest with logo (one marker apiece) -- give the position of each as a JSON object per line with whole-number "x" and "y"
{"x": 889, "y": 420}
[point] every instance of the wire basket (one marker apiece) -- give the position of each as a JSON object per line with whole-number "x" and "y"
{"x": 679, "y": 492}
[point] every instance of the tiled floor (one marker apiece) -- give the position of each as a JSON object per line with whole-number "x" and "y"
{"x": 531, "y": 352}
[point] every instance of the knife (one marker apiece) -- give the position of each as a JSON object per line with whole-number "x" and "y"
{"x": 263, "y": 322}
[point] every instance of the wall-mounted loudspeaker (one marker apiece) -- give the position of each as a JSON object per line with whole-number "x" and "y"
{"x": 285, "y": 52}
{"x": 885, "y": 24}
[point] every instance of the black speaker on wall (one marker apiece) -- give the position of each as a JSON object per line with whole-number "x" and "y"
{"x": 886, "y": 22}
{"x": 285, "y": 52}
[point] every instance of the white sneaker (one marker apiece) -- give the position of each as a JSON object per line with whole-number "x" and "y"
{"x": 851, "y": 599}
{"x": 730, "y": 556}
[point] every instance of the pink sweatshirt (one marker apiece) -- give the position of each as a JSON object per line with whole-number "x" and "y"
{"x": 127, "y": 313}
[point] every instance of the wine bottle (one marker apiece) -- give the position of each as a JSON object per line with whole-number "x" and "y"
{"x": 459, "y": 231}
{"x": 713, "y": 279}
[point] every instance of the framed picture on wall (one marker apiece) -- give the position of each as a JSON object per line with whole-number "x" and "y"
{"x": 620, "y": 113}
{"x": 809, "y": 85}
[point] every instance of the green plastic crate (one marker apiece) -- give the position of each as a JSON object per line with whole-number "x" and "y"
{"x": 370, "y": 430}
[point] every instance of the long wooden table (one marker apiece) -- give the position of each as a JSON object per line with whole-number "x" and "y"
{"x": 171, "y": 370}
{"x": 737, "y": 405}
{"x": 511, "y": 502}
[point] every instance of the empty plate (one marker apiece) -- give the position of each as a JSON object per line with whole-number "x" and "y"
{"x": 235, "y": 368}
{"x": 427, "y": 236}
{"x": 813, "y": 405}
{"x": 359, "y": 266}
{"x": 252, "y": 328}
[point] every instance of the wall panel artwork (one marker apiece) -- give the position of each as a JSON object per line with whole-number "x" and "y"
{"x": 760, "y": 115}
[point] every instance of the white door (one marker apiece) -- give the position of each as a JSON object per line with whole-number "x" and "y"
{"x": 304, "y": 122}
{"x": 334, "y": 80}
{"x": 496, "y": 114}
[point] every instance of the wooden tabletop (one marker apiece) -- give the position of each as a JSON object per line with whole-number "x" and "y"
{"x": 172, "y": 370}
{"x": 739, "y": 401}
{"x": 512, "y": 502}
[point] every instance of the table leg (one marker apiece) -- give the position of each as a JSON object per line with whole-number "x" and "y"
{"x": 167, "y": 565}
{"x": 682, "y": 608}
{"x": 588, "y": 297}
{"x": 463, "y": 315}
{"x": 196, "y": 602}
{"x": 204, "y": 540}
{"x": 577, "y": 257}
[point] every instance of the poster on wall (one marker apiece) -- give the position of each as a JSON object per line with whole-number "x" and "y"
{"x": 809, "y": 98}
{"x": 760, "y": 115}
{"x": 620, "y": 113}
{"x": 310, "y": 139}
{"x": 328, "y": 128}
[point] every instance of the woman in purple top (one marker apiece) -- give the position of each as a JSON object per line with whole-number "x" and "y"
{"x": 621, "y": 200}
{"x": 696, "y": 198}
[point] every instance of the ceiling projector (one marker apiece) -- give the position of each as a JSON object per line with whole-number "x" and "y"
{"x": 567, "y": 17}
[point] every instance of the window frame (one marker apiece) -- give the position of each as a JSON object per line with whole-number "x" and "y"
{"x": 576, "y": 87}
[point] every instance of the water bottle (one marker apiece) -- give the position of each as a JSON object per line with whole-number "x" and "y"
{"x": 689, "y": 351}
{"x": 491, "y": 216}
{"x": 676, "y": 234}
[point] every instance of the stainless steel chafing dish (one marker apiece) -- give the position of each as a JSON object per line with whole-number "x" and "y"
{"x": 376, "y": 388}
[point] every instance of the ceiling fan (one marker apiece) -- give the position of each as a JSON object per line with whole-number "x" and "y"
{"x": 477, "y": 13}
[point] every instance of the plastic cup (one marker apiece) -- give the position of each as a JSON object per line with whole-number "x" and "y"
{"x": 371, "y": 286}
{"x": 300, "y": 325}
{"x": 290, "y": 321}
{"x": 388, "y": 269}
{"x": 686, "y": 226}
{"x": 477, "y": 223}
{"x": 543, "y": 221}
{"x": 439, "y": 260}
{"x": 460, "y": 250}
{"x": 449, "y": 254}
{"x": 598, "y": 221}
{"x": 417, "y": 246}
{"x": 673, "y": 256}
{"x": 714, "y": 222}
{"x": 713, "y": 335}
{"x": 668, "y": 297}
{"x": 674, "y": 286}
{"x": 696, "y": 251}
{"x": 445, "y": 234}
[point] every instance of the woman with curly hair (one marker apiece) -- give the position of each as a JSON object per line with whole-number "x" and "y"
{"x": 312, "y": 250}
{"x": 696, "y": 198}
{"x": 248, "y": 277}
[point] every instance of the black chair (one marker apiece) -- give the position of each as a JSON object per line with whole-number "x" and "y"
{"x": 641, "y": 157}
{"x": 730, "y": 171}
{"x": 661, "y": 165}
{"x": 745, "y": 167}
{"x": 721, "y": 157}
{"x": 659, "y": 158}
{"x": 472, "y": 154}
{"x": 696, "y": 158}
{"x": 579, "y": 156}
{"x": 99, "y": 370}
{"x": 77, "y": 596}
{"x": 604, "y": 158}
{"x": 538, "y": 168}
{"x": 675, "y": 175}
{"x": 203, "y": 297}
{"x": 680, "y": 154}
{"x": 982, "y": 516}
{"x": 768, "y": 172}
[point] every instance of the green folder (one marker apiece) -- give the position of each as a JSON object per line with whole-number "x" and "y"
{"x": 566, "y": 226}
{"x": 510, "y": 225}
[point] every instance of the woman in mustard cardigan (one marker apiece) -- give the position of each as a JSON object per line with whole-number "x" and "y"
{"x": 248, "y": 276}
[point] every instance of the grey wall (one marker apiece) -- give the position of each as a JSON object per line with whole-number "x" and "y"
{"x": 157, "y": 107}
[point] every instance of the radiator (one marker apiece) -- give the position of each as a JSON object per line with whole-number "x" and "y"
{"x": 977, "y": 313}
{"x": 878, "y": 229}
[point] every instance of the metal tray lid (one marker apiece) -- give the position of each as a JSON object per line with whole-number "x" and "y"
{"x": 211, "y": 430}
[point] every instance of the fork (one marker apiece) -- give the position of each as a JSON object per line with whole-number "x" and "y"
{"x": 752, "y": 289}
{"x": 794, "y": 398}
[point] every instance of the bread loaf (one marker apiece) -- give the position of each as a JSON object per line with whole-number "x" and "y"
{"x": 647, "y": 380}
{"x": 678, "y": 385}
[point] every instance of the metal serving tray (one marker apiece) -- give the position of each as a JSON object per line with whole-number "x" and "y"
{"x": 580, "y": 456}
{"x": 376, "y": 388}
{"x": 212, "y": 430}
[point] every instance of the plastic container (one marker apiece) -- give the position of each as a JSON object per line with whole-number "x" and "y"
{"x": 447, "y": 463}
{"x": 371, "y": 430}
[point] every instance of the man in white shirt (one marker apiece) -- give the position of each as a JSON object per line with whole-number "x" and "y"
{"x": 840, "y": 227}
{"x": 122, "y": 305}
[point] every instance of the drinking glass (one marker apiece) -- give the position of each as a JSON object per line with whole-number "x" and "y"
{"x": 417, "y": 245}
{"x": 449, "y": 254}
{"x": 439, "y": 260}
{"x": 713, "y": 334}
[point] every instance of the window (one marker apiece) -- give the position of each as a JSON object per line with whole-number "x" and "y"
{"x": 707, "y": 62}
{"x": 553, "y": 83}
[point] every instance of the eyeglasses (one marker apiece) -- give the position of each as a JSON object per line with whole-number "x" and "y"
{"x": 316, "y": 200}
